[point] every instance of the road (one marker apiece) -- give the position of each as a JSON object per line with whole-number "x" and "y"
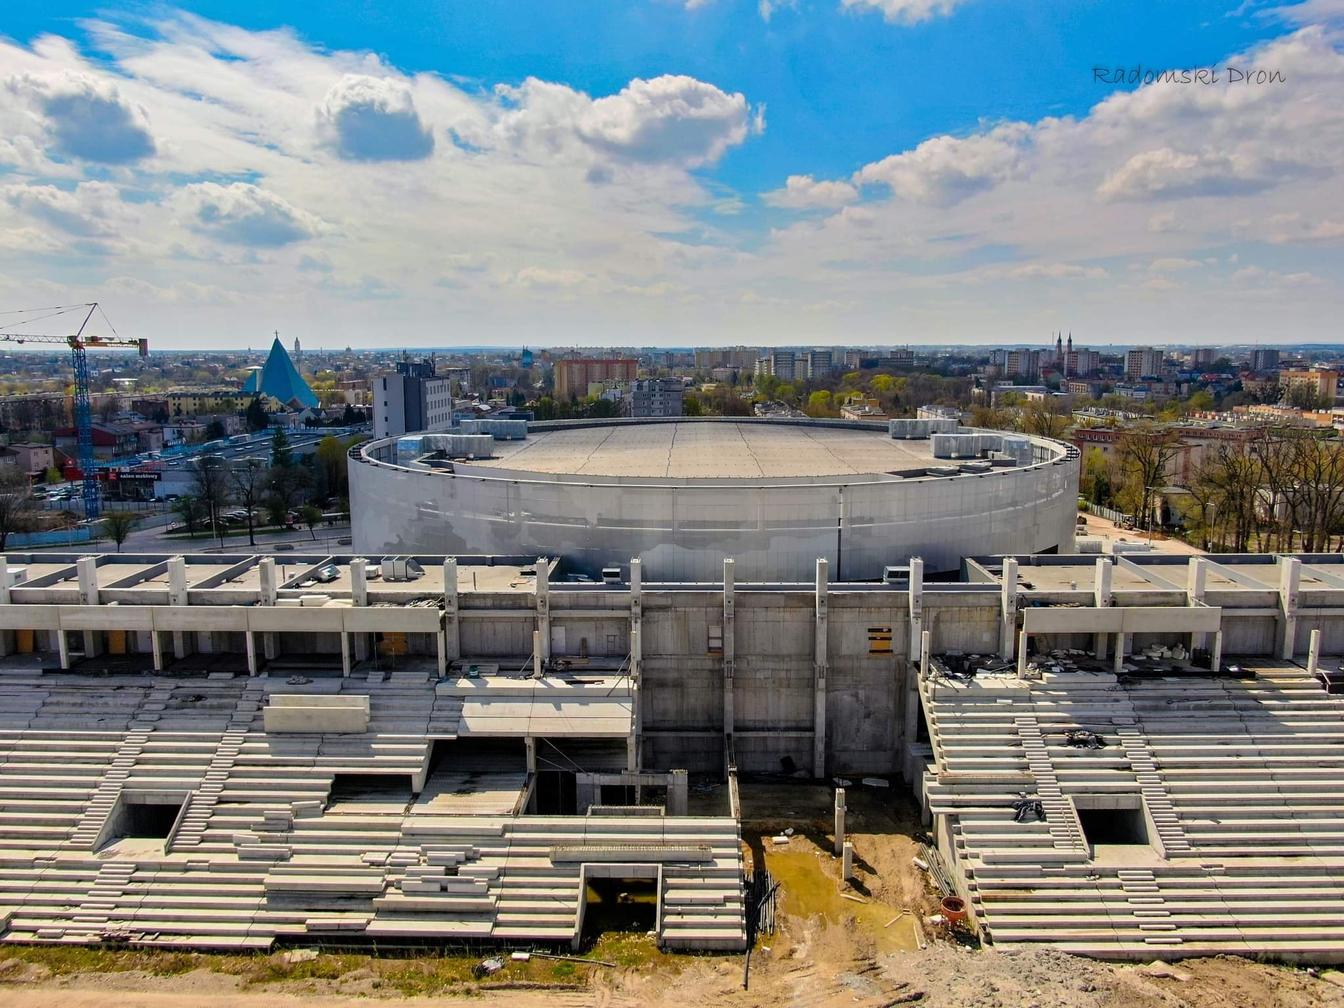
{"x": 300, "y": 540}
{"x": 1109, "y": 532}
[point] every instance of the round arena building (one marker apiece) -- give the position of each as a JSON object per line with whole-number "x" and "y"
{"x": 683, "y": 494}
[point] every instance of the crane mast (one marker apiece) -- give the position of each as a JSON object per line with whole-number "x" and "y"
{"x": 79, "y": 345}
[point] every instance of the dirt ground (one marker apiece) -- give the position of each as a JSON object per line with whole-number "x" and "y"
{"x": 827, "y": 951}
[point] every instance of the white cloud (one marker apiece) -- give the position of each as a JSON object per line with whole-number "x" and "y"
{"x": 244, "y": 214}
{"x": 85, "y": 117}
{"x": 365, "y": 118}
{"x": 768, "y": 8}
{"x": 1167, "y": 174}
{"x": 947, "y": 170}
{"x": 90, "y": 210}
{"x": 1173, "y": 264}
{"x": 905, "y": 11}
{"x": 803, "y": 192}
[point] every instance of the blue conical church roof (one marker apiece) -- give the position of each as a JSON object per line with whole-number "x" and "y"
{"x": 280, "y": 379}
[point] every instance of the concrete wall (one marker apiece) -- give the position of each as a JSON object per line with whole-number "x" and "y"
{"x": 774, "y": 530}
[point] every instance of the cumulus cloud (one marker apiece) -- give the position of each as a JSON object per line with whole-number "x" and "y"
{"x": 244, "y": 214}
{"x": 946, "y": 170}
{"x": 1168, "y": 174}
{"x": 905, "y": 11}
{"x": 803, "y": 192}
{"x": 366, "y": 118}
{"x": 85, "y": 117}
{"x": 675, "y": 121}
{"x": 90, "y": 210}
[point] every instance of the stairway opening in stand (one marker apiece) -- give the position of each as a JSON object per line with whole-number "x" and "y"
{"x": 620, "y": 898}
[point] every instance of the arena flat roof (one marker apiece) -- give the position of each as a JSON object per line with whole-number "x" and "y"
{"x": 718, "y": 450}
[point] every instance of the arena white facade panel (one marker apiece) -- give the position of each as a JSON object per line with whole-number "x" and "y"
{"x": 684, "y": 494}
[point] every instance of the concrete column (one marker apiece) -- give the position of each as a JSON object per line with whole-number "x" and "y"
{"x": 266, "y": 573}
{"x": 156, "y": 645}
{"x": 916, "y": 603}
{"x": 1102, "y": 599}
{"x": 1217, "y": 650}
{"x": 1194, "y": 595}
{"x": 452, "y": 627}
{"x": 531, "y": 744}
{"x": 359, "y": 582}
{"x": 251, "y": 640}
{"x": 345, "y": 655}
{"x": 87, "y": 570}
{"x": 728, "y": 663}
{"x": 1008, "y": 608}
{"x": 1022, "y": 655}
{"x": 1290, "y": 578}
{"x": 1314, "y": 653}
{"x": 678, "y": 793}
{"x": 6, "y": 582}
{"x": 62, "y": 648}
{"x": 847, "y": 861}
{"x": 839, "y": 820}
{"x": 925, "y": 653}
{"x": 1197, "y": 575}
{"x": 177, "y": 595}
{"x": 536, "y": 654}
{"x": 270, "y": 592}
{"x": 543, "y": 602}
{"x": 1120, "y": 641}
{"x": 820, "y": 667}
{"x": 1102, "y": 589}
{"x": 635, "y": 746}
{"x": 634, "y": 755}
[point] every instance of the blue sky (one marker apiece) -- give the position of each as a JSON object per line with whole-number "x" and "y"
{"x": 621, "y": 172}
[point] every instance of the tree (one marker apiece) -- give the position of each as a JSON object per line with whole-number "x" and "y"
{"x": 1046, "y": 417}
{"x": 256, "y": 415}
{"x": 117, "y": 526}
{"x": 282, "y": 456}
{"x": 330, "y": 455}
{"x": 189, "y": 509}
{"x": 249, "y": 480}
{"x": 819, "y": 404}
{"x": 16, "y": 503}
{"x": 1145, "y": 454}
{"x": 210, "y": 485}
{"x": 310, "y": 516}
{"x": 214, "y": 430}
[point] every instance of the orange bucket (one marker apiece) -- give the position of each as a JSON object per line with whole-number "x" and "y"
{"x": 954, "y": 909}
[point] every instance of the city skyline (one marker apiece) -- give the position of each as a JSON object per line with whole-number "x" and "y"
{"x": 839, "y": 173}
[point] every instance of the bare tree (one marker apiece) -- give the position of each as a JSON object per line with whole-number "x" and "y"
{"x": 1145, "y": 454}
{"x": 16, "y": 503}
{"x": 210, "y": 482}
{"x": 1045, "y": 417}
{"x": 250, "y": 480}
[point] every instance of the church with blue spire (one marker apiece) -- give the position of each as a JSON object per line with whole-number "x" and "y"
{"x": 279, "y": 379}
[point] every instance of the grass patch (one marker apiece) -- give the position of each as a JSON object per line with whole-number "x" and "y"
{"x": 411, "y": 976}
